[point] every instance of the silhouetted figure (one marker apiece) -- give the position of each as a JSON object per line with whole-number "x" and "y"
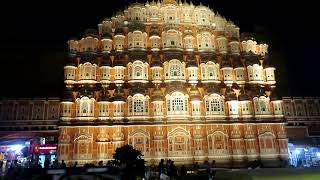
{"x": 100, "y": 163}
{"x": 75, "y": 164}
{"x": 183, "y": 170}
{"x": 46, "y": 163}
{"x": 161, "y": 166}
{"x": 172, "y": 170}
{"x": 196, "y": 167}
{"x": 63, "y": 164}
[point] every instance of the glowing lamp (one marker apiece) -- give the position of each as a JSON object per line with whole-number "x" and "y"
{"x": 16, "y": 148}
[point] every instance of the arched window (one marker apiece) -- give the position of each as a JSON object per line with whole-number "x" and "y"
{"x": 138, "y": 105}
{"x": 177, "y": 103}
{"x": 205, "y": 41}
{"x": 210, "y": 71}
{"x": 140, "y": 140}
{"x": 138, "y": 71}
{"x": 267, "y": 143}
{"x": 172, "y": 39}
{"x": 174, "y": 70}
{"x": 85, "y": 107}
{"x": 87, "y": 71}
{"x": 119, "y": 42}
{"x": 214, "y": 104}
{"x": 106, "y": 45}
{"x": 179, "y": 143}
{"x": 217, "y": 143}
{"x": 137, "y": 39}
{"x": 88, "y": 44}
{"x": 262, "y": 105}
{"x": 83, "y": 146}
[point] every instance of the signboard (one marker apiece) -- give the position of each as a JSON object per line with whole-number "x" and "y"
{"x": 45, "y": 148}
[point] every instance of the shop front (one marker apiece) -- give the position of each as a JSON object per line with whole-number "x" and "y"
{"x": 45, "y": 151}
{"x": 304, "y": 152}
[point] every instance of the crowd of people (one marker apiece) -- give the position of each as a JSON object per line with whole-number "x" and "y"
{"x": 168, "y": 170}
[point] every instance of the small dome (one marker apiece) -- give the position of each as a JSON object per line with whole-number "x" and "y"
{"x": 67, "y": 96}
{"x": 92, "y": 58}
{"x": 226, "y": 64}
{"x": 191, "y": 62}
{"x": 71, "y": 62}
{"x": 107, "y": 35}
{"x": 119, "y": 31}
{"x": 195, "y": 94}
{"x": 157, "y": 95}
{"x": 85, "y": 92}
{"x": 119, "y": 95}
{"x": 156, "y": 61}
{"x": 231, "y": 97}
{"x": 104, "y": 96}
{"x": 138, "y": 89}
{"x": 119, "y": 60}
{"x": 136, "y": 26}
{"x": 106, "y": 61}
{"x": 275, "y": 97}
{"x": 244, "y": 97}
{"x": 154, "y": 31}
{"x": 90, "y": 32}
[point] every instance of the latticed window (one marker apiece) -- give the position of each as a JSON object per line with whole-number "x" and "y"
{"x": 210, "y": 71}
{"x": 215, "y": 105}
{"x": 138, "y": 71}
{"x": 177, "y": 104}
{"x": 175, "y": 70}
{"x": 138, "y": 106}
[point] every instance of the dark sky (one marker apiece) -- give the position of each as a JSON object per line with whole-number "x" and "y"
{"x": 34, "y": 35}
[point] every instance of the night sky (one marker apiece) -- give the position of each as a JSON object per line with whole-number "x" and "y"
{"x": 34, "y": 35}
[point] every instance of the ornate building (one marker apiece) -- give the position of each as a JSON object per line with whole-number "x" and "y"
{"x": 174, "y": 80}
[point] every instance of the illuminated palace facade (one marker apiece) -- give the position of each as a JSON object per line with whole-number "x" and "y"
{"x": 175, "y": 81}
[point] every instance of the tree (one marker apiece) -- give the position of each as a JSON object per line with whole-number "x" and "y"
{"x": 130, "y": 161}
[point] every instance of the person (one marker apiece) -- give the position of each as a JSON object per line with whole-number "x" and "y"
{"x": 183, "y": 170}
{"x": 46, "y": 163}
{"x": 100, "y": 163}
{"x": 63, "y": 164}
{"x": 196, "y": 167}
{"x": 75, "y": 164}
{"x": 161, "y": 167}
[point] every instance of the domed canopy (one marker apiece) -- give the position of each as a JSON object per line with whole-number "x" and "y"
{"x": 92, "y": 58}
{"x": 226, "y": 64}
{"x": 275, "y": 97}
{"x": 67, "y": 96}
{"x": 231, "y": 97}
{"x": 90, "y": 32}
{"x": 119, "y": 60}
{"x": 71, "y": 62}
{"x": 106, "y": 61}
{"x": 156, "y": 60}
{"x": 137, "y": 89}
{"x": 104, "y": 96}
{"x": 119, "y": 95}
{"x": 85, "y": 91}
{"x": 154, "y": 31}
{"x": 107, "y": 35}
{"x": 195, "y": 94}
{"x": 157, "y": 94}
{"x": 119, "y": 31}
{"x": 191, "y": 61}
{"x": 244, "y": 97}
{"x": 136, "y": 26}
{"x": 135, "y": 55}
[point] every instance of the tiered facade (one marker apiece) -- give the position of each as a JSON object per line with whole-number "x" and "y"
{"x": 175, "y": 81}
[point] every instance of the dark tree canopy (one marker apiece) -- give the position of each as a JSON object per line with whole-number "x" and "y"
{"x": 130, "y": 160}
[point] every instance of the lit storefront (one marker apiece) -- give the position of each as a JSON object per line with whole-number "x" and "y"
{"x": 304, "y": 152}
